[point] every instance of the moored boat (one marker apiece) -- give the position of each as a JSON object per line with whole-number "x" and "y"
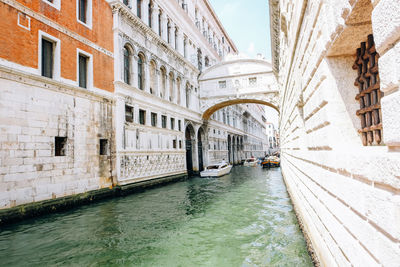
{"x": 216, "y": 170}
{"x": 251, "y": 162}
{"x": 271, "y": 162}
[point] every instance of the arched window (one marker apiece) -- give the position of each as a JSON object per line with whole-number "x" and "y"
{"x": 139, "y": 8}
{"x": 127, "y": 65}
{"x": 150, "y": 13}
{"x": 163, "y": 74}
{"x": 206, "y": 62}
{"x": 140, "y": 72}
{"x": 159, "y": 23}
{"x": 153, "y": 84}
{"x": 171, "y": 87}
{"x": 126, "y": 2}
{"x": 176, "y": 39}
{"x": 187, "y": 95}
{"x": 178, "y": 90}
{"x": 168, "y": 32}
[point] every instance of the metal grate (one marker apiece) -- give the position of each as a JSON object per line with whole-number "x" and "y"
{"x": 369, "y": 94}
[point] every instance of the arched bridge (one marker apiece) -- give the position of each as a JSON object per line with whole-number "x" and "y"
{"x": 236, "y": 82}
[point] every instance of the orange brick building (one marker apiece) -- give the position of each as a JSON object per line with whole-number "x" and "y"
{"x": 24, "y": 24}
{"x": 56, "y": 104}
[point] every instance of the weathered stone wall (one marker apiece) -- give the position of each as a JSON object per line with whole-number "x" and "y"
{"x": 33, "y": 111}
{"x": 347, "y": 194}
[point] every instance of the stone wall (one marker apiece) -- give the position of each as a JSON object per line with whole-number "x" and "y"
{"x": 347, "y": 194}
{"x": 33, "y": 111}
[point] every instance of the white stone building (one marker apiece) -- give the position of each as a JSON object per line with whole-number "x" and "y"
{"x": 161, "y": 47}
{"x": 337, "y": 65}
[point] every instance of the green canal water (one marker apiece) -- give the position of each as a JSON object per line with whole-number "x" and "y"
{"x": 242, "y": 219}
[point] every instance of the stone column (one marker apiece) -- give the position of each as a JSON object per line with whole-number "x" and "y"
{"x": 158, "y": 79}
{"x": 154, "y": 18}
{"x": 147, "y": 77}
{"x": 164, "y": 27}
{"x": 166, "y": 89}
{"x": 179, "y": 41}
{"x": 172, "y": 35}
{"x": 135, "y": 81}
{"x": 145, "y": 11}
{"x": 174, "y": 91}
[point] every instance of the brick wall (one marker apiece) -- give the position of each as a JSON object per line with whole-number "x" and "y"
{"x": 347, "y": 194}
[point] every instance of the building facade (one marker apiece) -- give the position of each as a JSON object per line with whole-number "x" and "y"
{"x": 98, "y": 94}
{"x": 56, "y": 111}
{"x": 337, "y": 67}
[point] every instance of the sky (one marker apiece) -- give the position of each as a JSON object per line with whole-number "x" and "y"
{"x": 246, "y": 24}
{"x": 248, "y": 27}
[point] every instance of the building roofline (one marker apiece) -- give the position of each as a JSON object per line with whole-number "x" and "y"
{"x": 209, "y": 6}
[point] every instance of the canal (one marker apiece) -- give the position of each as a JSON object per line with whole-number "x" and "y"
{"x": 242, "y": 219}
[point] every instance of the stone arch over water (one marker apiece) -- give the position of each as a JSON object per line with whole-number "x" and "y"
{"x": 237, "y": 81}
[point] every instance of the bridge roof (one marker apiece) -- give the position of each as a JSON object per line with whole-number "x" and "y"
{"x": 235, "y": 68}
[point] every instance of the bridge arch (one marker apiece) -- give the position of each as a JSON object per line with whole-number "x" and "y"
{"x": 207, "y": 113}
{"x": 237, "y": 81}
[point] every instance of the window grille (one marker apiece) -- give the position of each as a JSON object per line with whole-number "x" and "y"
{"x": 369, "y": 94}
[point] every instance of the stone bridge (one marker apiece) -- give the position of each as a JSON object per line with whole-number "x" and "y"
{"x": 236, "y": 82}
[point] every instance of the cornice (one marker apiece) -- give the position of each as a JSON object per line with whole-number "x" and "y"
{"x": 274, "y": 16}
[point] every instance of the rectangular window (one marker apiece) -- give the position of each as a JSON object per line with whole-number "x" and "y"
{"x": 60, "y": 146}
{"x": 174, "y": 144}
{"x": 222, "y": 84}
{"x": 82, "y": 10}
{"x": 128, "y": 113}
{"x": 164, "y": 121}
{"x": 179, "y": 125}
{"x": 83, "y": 70}
{"x": 47, "y": 58}
{"x": 172, "y": 124}
{"x": 180, "y": 144}
{"x": 154, "y": 119}
{"x": 103, "y": 147}
{"x": 142, "y": 117}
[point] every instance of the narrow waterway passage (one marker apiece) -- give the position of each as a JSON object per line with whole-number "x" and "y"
{"x": 242, "y": 219}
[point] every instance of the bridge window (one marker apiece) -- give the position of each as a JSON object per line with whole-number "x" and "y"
{"x": 369, "y": 93}
{"x": 253, "y": 81}
{"x": 222, "y": 84}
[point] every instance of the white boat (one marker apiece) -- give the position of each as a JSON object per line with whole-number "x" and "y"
{"x": 216, "y": 170}
{"x": 252, "y": 162}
